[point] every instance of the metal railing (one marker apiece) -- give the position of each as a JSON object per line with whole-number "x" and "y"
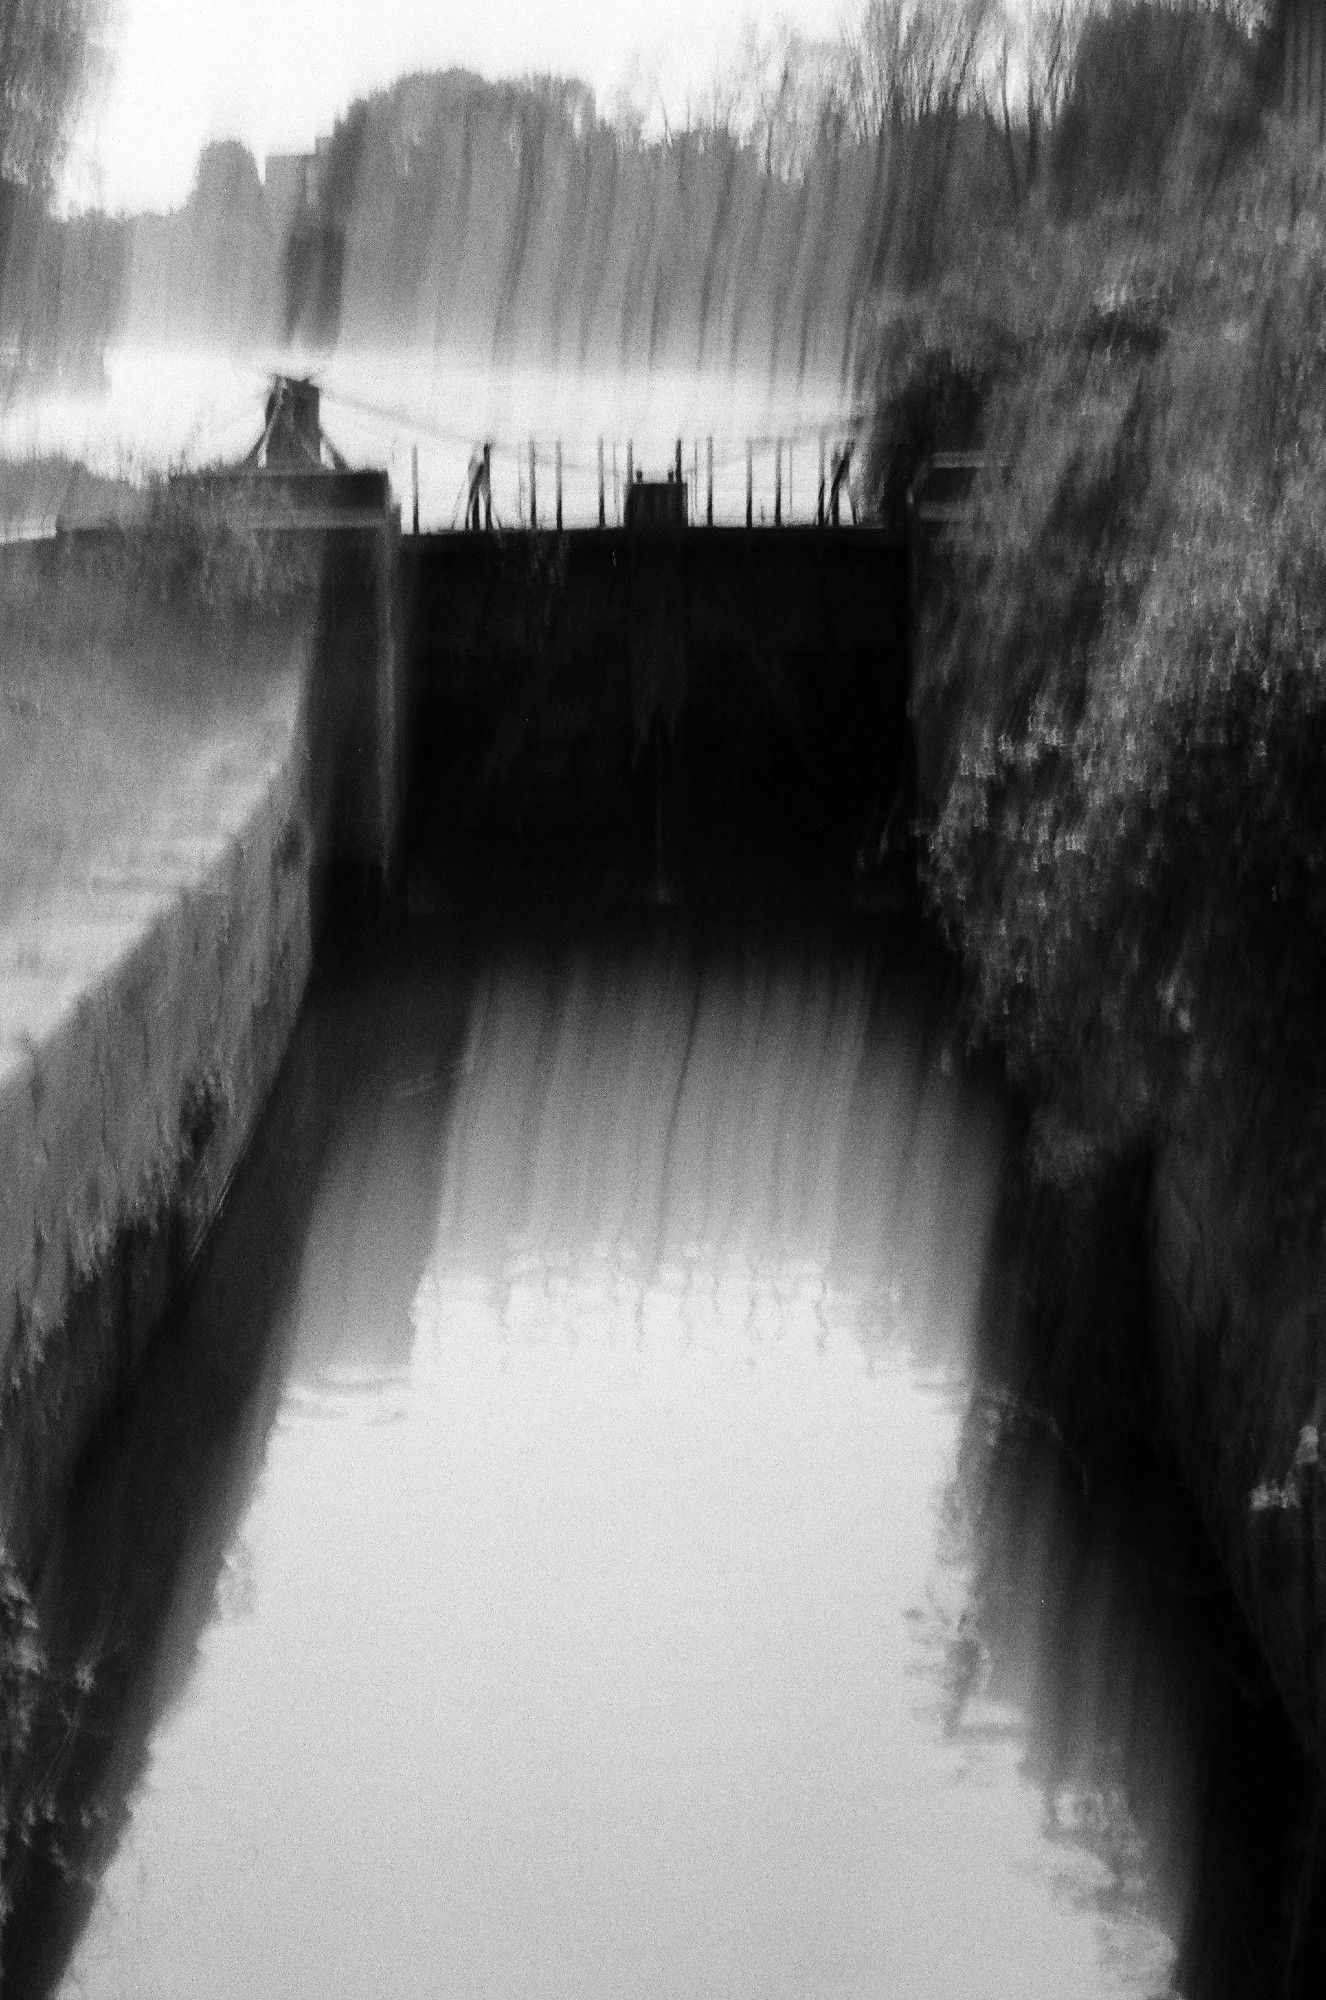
{"x": 603, "y": 480}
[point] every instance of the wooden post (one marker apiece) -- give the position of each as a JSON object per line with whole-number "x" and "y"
{"x": 630, "y": 465}
{"x": 709, "y": 470}
{"x": 533, "y": 497}
{"x": 616, "y": 489}
{"x": 488, "y": 486}
{"x": 778, "y": 482}
{"x": 678, "y": 468}
{"x": 750, "y": 484}
{"x": 819, "y": 505}
{"x": 695, "y": 480}
{"x": 557, "y": 451}
{"x": 603, "y": 512}
{"x": 414, "y": 482}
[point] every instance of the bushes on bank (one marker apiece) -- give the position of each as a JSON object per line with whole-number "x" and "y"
{"x": 1161, "y": 104}
{"x": 1127, "y": 837}
{"x": 1120, "y": 700}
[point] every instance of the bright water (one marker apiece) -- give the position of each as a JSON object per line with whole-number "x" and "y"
{"x": 572, "y": 1543}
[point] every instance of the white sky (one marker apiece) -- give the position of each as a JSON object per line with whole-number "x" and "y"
{"x": 275, "y": 72}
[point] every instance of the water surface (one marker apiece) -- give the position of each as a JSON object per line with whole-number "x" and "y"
{"x": 567, "y": 1547}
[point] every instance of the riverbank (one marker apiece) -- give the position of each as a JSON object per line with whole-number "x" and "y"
{"x": 1120, "y": 703}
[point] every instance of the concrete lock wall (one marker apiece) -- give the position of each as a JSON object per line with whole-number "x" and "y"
{"x": 692, "y": 701}
{"x": 126, "y": 1106}
{"x": 357, "y": 722}
{"x": 1242, "y": 1402}
{"x": 120, "y": 1129}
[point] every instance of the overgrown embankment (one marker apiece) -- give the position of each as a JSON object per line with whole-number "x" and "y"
{"x": 1120, "y": 704}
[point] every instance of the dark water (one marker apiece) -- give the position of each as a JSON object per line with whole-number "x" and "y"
{"x": 576, "y": 1540}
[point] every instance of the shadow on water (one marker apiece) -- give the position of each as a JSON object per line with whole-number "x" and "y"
{"x": 1083, "y": 1593}
{"x": 139, "y": 1565}
{"x": 1076, "y": 1614}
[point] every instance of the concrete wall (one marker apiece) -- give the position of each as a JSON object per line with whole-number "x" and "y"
{"x": 358, "y": 719}
{"x": 1242, "y": 1405}
{"x": 142, "y": 1031}
{"x": 123, "y": 1120}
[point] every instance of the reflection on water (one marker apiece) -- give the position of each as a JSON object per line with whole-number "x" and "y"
{"x": 574, "y": 1543}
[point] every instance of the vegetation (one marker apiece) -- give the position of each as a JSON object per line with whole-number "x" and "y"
{"x": 47, "y": 50}
{"x": 197, "y": 554}
{"x": 1121, "y": 696}
{"x": 519, "y": 216}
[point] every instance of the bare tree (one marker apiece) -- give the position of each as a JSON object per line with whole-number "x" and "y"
{"x": 719, "y": 112}
{"x": 634, "y": 102}
{"x": 779, "y": 96}
{"x": 907, "y": 61}
{"x": 911, "y": 70}
{"x": 1037, "y": 43}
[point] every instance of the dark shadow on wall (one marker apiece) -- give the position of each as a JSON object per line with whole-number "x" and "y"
{"x": 1089, "y": 1593}
{"x": 133, "y": 1571}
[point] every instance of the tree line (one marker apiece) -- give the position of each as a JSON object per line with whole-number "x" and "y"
{"x": 809, "y": 175}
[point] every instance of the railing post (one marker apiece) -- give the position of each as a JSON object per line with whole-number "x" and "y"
{"x": 778, "y": 482}
{"x": 630, "y": 465}
{"x": 603, "y": 512}
{"x": 533, "y": 496}
{"x": 750, "y": 484}
{"x": 709, "y": 468}
{"x": 558, "y": 459}
{"x": 819, "y": 505}
{"x": 414, "y": 482}
{"x": 679, "y": 464}
{"x": 487, "y": 487}
{"x": 616, "y": 489}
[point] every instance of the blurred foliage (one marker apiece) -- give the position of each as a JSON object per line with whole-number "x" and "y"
{"x": 1162, "y": 99}
{"x": 198, "y": 551}
{"x": 186, "y": 558}
{"x": 48, "y": 52}
{"x": 1120, "y": 694}
{"x": 47, "y": 48}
